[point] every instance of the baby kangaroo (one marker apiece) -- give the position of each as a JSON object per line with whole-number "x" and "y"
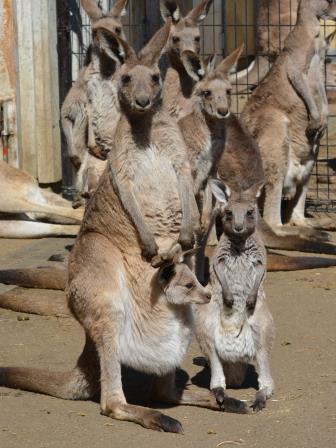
{"x": 236, "y": 327}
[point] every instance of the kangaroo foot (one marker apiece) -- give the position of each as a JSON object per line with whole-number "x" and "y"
{"x": 145, "y": 417}
{"x": 259, "y": 401}
{"x": 229, "y": 404}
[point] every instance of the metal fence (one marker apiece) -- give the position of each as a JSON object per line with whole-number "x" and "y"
{"x": 228, "y": 24}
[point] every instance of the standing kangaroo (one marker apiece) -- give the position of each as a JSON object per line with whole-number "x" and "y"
{"x": 74, "y": 114}
{"x": 183, "y": 49}
{"x": 237, "y": 327}
{"x": 286, "y": 102}
{"x": 117, "y": 296}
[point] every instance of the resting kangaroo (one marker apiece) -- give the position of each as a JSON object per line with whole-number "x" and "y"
{"x": 286, "y": 102}
{"x": 74, "y": 112}
{"x": 20, "y": 194}
{"x": 183, "y": 50}
{"x": 128, "y": 316}
{"x": 237, "y": 327}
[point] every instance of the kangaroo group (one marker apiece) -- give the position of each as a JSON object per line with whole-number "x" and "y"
{"x": 165, "y": 169}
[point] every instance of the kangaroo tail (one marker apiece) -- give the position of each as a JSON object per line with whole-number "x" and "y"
{"x": 81, "y": 383}
{"x": 34, "y": 301}
{"x": 277, "y": 262}
{"x": 251, "y": 76}
{"x": 293, "y": 243}
{"x": 42, "y": 278}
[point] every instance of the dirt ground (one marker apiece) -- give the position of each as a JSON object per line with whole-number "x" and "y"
{"x": 301, "y": 414}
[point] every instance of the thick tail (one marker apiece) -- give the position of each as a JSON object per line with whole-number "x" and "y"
{"x": 81, "y": 383}
{"x": 35, "y": 301}
{"x": 250, "y": 77}
{"x": 41, "y": 278}
{"x": 32, "y": 229}
{"x": 293, "y": 243}
{"x": 277, "y": 262}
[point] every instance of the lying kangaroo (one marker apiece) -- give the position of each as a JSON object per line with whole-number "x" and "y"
{"x": 183, "y": 50}
{"x": 74, "y": 109}
{"x": 237, "y": 327}
{"x": 285, "y": 101}
{"x": 123, "y": 307}
{"x": 20, "y": 194}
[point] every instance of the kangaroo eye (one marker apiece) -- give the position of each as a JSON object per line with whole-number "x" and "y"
{"x": 176, "y": 39}
{"x": 250, "y": 213}
{"x": 206, "y": 93}
{"x": 126, "y": 79}
{"x": 189, "y": 285}
{"x": 156, "y": 78}
{"x": 228, "y": 92}
{"x": 197, "y": 39}
{"x": 228, "y": 214}
{"x": 117, "y": 30}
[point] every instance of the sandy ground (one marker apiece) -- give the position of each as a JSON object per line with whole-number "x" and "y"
{"x": 301, "y": 414}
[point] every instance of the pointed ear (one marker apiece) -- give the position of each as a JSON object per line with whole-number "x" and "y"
{"x": 229, "y": 62}
{"x": 199, "y": 13}
{"x": 209, "y": 63}
{"x": 91, "y": 9}
{"x": 119, "y": 9}
{"x": 256, "y": 190}
{"x": 111, "y": 44}
{"x": 151, "y": 53}
{"x": 166, "y": 273}
{"x": 221, "y": 191}
{"x": 330, "y": 38}
{"x": 193, "y": 65}
{"x": 170, "y": 8}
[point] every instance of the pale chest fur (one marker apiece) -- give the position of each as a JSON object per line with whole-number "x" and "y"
{"x": 155, "y": 335}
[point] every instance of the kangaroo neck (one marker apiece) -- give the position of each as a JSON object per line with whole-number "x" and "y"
{"x": 308, "y": 19}
{"x": 140, "y": 124}
{"x": 187, "y": 84}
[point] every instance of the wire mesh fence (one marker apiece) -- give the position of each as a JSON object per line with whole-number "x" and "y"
{"x": 227, "y": 25}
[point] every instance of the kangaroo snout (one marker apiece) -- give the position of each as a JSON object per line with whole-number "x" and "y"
{"x": 142, "y": 102}
{"x": 223, "y": 112}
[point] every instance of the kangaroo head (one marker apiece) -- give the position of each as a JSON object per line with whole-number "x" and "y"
{"x": 323, "y": 9}
{"x": 213, "y": 93}
{"x": 111, "y": 20}
{"x": 239, "y": 209}
{"x": 184, "y": 44}
{"x": 180, "y": 284}
{"x": 139, "y": 79}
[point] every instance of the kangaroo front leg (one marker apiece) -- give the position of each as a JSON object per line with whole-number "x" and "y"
{"x": 253, "y": 295}
{"x": 265, "y": 381}
{"x": 227, "y": 294}
{"x": 131, "y": 206}
{"x": 190, "y": 215}
{"x": 165, "y": 391}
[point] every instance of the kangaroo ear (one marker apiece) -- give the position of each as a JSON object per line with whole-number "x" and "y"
{"x": 92, "y": 10}
{"x": 209, "y": 63}
{"x": 119, "y": 9}
{"x": 193, "y": 65}
{"x": 256, "y": 190}
{"x": 199, "y": 13}
{"x": 229, "y": 62}
{"x": 330, "y": 38}
{"x": 151, "y": 53}
{"x": 111, "y": 44}
{"x": 166, "y": 273}
{"x": 221, "y": 191}
{"x": 170, "y": 8}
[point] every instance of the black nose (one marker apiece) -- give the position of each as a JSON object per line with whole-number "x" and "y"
{"x": 222, "y": 111}
{"x": 143, "y": 101}
{"x": 239, "y": 228}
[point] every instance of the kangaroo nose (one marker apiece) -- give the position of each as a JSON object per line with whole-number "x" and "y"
{"x": 239, "y": 228}
{"x": 142, "y": 101}
{"x": 223, "y": 111}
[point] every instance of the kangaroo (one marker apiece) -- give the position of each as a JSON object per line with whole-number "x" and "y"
{"x": 128, "y": 316}
{"x": 289, "y": 143}
{"x": 237, "y": 327}
{"x": 20, "y": 194}
{"x": 183, "y": 49}
{"x": 74, "y": 114}
{"x": 274, "y": 21}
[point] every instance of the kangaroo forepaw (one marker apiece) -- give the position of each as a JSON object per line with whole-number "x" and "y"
{"x": 259, "y": 402}
{"x": 186, "y": 240}
{"x": 228, "y": 300}
{"x": 167, "y": 256}
{"x": 229, "y": 404}
{"x": 251, "y": 301}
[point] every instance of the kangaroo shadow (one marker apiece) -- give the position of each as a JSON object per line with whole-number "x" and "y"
{"x": 202, "y": 378}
